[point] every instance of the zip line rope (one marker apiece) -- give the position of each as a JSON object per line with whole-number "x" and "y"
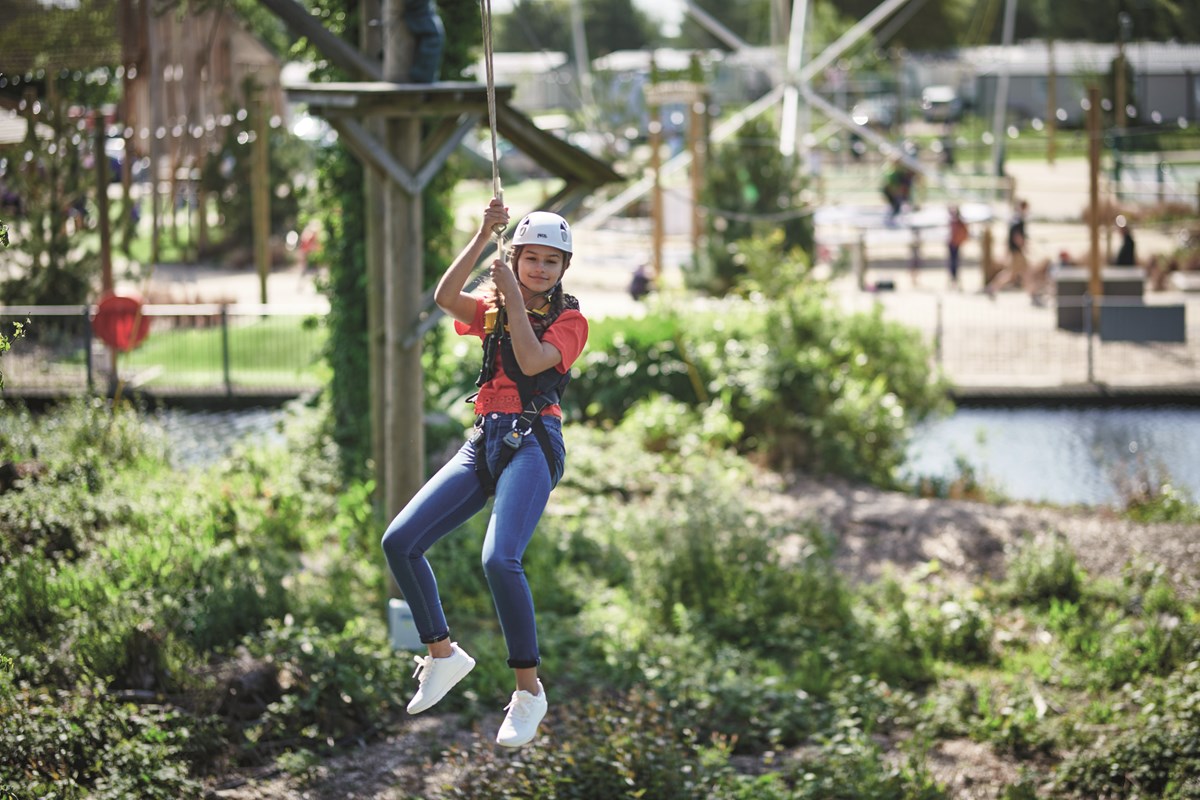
{"x": 497, "y": 189}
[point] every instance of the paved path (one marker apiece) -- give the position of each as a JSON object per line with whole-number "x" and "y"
{"x": 1006, "y": 342}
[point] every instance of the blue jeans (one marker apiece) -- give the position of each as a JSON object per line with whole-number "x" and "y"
{"x": 429, "y": 37}
{"x": 453, "y": 496}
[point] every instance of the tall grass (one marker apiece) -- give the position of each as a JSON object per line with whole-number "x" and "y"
{"x": 162, "y": 625}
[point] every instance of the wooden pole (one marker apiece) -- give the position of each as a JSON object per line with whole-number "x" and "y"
{"x": 403, "y": 271}
{"x": 656, "y": 197}
{"x": 404, "y": 392}
{"x": 106, "y": 273}
{"x": 1095, "y": 285}
{"x": 155, "y": 123}
{"x": 372, "y": 38}
{"x": 697, "y": 144}
{"x": 260, "y": 195}
{"x": 1051, "y": 102}
{"x": 1120, "y": 116}
{"x": 128, "y": 27}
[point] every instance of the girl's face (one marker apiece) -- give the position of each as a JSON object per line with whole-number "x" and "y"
{"x": 539, "y": 267}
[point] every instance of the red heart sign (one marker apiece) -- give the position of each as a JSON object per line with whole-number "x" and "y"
{"x": 119, "y": 322}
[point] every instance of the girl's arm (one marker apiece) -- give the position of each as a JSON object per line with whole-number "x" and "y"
{"x": 533, "y": 356}
{"x": 449, "y": 294}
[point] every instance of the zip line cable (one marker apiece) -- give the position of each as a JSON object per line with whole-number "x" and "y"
{"x": 490, "y": 76}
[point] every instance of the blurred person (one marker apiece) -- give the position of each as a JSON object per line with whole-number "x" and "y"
{"x": 1017, "y": 269}
{"x": 958, "y": 234}
{"x": 1127, "y": 255}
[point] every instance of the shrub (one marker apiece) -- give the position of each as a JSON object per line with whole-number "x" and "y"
{"x": 601, "y": 748}
{"x": 1162, "y": 503}
{"x": 1042, "y": 569}
{"x": 849, "y": 766}
{"x": 332, "y": 685}
{"x": 629, "y": 360}
{"x": 82, "y": 743}
{"x": 750, "y": 191}
{"x": 1155, "y": 754}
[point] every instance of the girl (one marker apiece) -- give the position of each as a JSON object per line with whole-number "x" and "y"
{"x": 532, "y": 332}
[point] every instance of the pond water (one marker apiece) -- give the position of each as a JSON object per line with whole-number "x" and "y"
{"x": 1064, "y": 455}
{"x": 202, "y": 438}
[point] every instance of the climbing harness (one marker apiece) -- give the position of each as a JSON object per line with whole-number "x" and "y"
{"x": 536, "y": 393}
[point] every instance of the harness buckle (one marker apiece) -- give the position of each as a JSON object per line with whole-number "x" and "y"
{"x": 476, "y": 435}
{"x": 513, "y": 438}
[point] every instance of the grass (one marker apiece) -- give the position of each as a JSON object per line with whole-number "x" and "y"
{"x": 264, "y": 351}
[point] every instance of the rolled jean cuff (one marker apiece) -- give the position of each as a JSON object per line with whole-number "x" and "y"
{"x": 437, "y": 637}
{"x": 520, "y": 663}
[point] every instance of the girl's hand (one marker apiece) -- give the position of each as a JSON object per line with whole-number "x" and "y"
{"x": 495, "y": 217}
{"x": 506, "y": 283}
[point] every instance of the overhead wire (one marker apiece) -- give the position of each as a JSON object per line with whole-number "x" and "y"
{"x": 490, "y": 77}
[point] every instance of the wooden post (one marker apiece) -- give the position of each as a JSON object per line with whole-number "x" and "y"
{"x": 403, "y": 271}
{"x": 1120, "y": 115}
{"x": 155, "y": 123}
{"x": 697, "y": 144}
{"x": 656, "y": 196}
{"x": 1095, "y": 285}
{"x": 985, "y": 254}
{"x": 129, "y": 48}
{"x": 372, "y": 38}
{"x": 404, "y": 392}
{"x": 106, "y": 273}
{"x": 260, "y": 196}
{"x": 1051, "y": 102}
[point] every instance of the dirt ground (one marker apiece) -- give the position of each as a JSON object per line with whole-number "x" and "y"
{"x": 879, "y": 532}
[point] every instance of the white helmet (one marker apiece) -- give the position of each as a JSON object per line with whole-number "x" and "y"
{"x": 544, "y": 227}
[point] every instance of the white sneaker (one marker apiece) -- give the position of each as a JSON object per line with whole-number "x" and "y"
{"x": 525, "y": 712}
{"x": 438, "y": 676}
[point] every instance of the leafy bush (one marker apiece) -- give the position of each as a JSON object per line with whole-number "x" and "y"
{"x": 1145, "y": 630}
{"x": 603, "y": 747}
{"x": 126, "y": 574}
{"x": 332, "y": 685}
{"x": 1162, "y": 503}
{"x": 1043, "y": 569}
{"x": 958, "y": 630}
{"x": 1155, "y": 754}
{"x": 627, "y": 361}
{"x": 84, "y": 744}
{"x": 850, "y": 766}
{"x": 807, "y": 385}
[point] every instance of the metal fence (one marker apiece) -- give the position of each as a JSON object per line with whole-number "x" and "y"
{"x": 1150, "y": 342}
{"x": 191, "y": 350}
{"x": 1013, "y": 342}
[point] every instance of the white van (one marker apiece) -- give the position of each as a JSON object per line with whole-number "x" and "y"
{"x": 940, "y": 104}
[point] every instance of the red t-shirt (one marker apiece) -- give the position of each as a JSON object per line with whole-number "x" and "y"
{"x": 568, "y": 333}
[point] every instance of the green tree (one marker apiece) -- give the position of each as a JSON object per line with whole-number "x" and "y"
{"x": 749, "y": 20}
{"x": 751, "y": 190}
{"x": 536, "y": 25}
{"x": 36, "y": 35}
{"x": 228, "y": 174}
{"x": 1150, "y": 20}
{"x": 51, "y": 171}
